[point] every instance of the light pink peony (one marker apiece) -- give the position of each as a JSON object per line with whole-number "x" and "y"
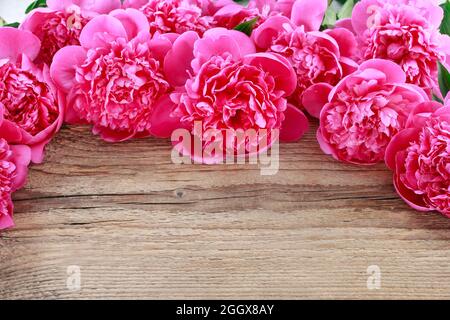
{"x": 61, "y": 23}
{"x": 115, "y": 78}
{"x": 33, "y": 107}
{"x": 365, "y": 111}
{"x": 320, "y": 59}
{"x": 419, "y": 156}
{"x": 174, "y": 16}
{"x": 226, "y": 85}
{"x": 14, "y": 161}
{"x": 406, "y": 32}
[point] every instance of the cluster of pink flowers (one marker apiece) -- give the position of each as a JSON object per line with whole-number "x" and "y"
{"x": 141, "y": 68}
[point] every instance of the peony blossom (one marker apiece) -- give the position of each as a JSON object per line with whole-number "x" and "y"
{"x": 365, "y": 111}
{"x": 419, "y": 156}
{"x": 229, "y": 86}
{"x": 14, "y": 161}
{"x": 33, "y": 109}
{"x": 406, "y": 32}
{"x": 61, "y": 23}
{"x": 115, "y": 78}
{"x": 174, "y": 16}
{"x": 320, "y": 59}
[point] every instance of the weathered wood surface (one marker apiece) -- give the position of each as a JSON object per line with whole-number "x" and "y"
{"x": 139, "y": 226}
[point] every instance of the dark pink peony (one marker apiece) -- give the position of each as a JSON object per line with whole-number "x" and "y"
{"x": 33, "y": 109}
{"x": 320, "y": 59}
{"x": 229, "y": 86}
{"x": 406, "y": 32}
{"x": 14, "y": 161}
{"x": 420, "y": 157}
{"x": 61, "y": 23}
{"x": 365, "y": 111}
{"x": 115, "y": 79}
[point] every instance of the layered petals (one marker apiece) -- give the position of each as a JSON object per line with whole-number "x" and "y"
{"x": 115, "y": 79}
{"x": 365, "y": 111}
{"x": 419, "y": 156}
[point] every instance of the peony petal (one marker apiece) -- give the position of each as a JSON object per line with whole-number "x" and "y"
{"x": 244, "y": 42}
{"x": 421, "y": 113}
{"x": 137, "y": 4}
{"x": 102, "y": 30}
{"x": 163, "y": 124}
{"x": 208, "y": 47}
{"x": 346, "y": 24}
{"x": 345, "y": 40}
{"x": 315, "y": 98}
{"x": 6, "y": 221}
{"x": 96, "y": 6}
{"x": 393, "y": 72}
{"x": 35, "y": 19}
{"x": 9, "y": 130}
{"x": 132, "y": 20}
{"x": 270, "y": 29}
{"x": 278, "y": 66}
{"x": 309, "y": 13}
{"x": 21, "y": 158}
{"x": 413, "y": 200}
{"x": 177, "y": 64}
{"x": 400, "y": 142}
{"x": 284, "y": 6}
{"x": 363, "y": 14}
{"x": 323, "y": 144}
{"x": 15, "y": 42}
{"x": 294, "y": 126}
{"x": 64, "y": 66}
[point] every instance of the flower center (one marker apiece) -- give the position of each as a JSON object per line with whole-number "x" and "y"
{"x": 61, "y": 30}
{"x": 121, "y": 85}
{"x": 28, "y": 102}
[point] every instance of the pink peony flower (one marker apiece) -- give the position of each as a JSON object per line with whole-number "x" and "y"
{"x": 33, "y": 109}
{"x": 365, "y": 111}
{"x": 174, "y": 16}
{"x": 419, "y": 156}
{"x": 61, "y": 23}
{"x": 406, "y": 32}
{"x": 320, "y": 59}
{"x": 224, "y": 84}
{"x": 115, "y": 78}
{"x": 14, "y": 161}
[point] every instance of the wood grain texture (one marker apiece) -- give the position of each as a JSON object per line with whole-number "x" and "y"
{"x": 140, "y": 227}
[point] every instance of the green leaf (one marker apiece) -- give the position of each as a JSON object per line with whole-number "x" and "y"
{"x": 444, "y": 80}
{"x": 346, "y": 10}
{"x": 247, "y": 27}
{"x": 445, "y": 26}
{"x": 12, "y": 25}
{"x": 36, "y": 4}
{"x": 242, "y": 2}
{"x": 330, "y": 18}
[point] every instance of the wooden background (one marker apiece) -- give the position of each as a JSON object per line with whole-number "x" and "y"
{"x": 139, "y": 226}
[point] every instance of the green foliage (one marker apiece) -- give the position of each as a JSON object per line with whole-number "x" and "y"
{"x": 247, "y": 27}
{"x": 444, "y": 75}
{"x": 36, "y": 4}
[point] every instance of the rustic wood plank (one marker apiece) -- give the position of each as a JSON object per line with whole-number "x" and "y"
{"x": 139, "y": 226}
